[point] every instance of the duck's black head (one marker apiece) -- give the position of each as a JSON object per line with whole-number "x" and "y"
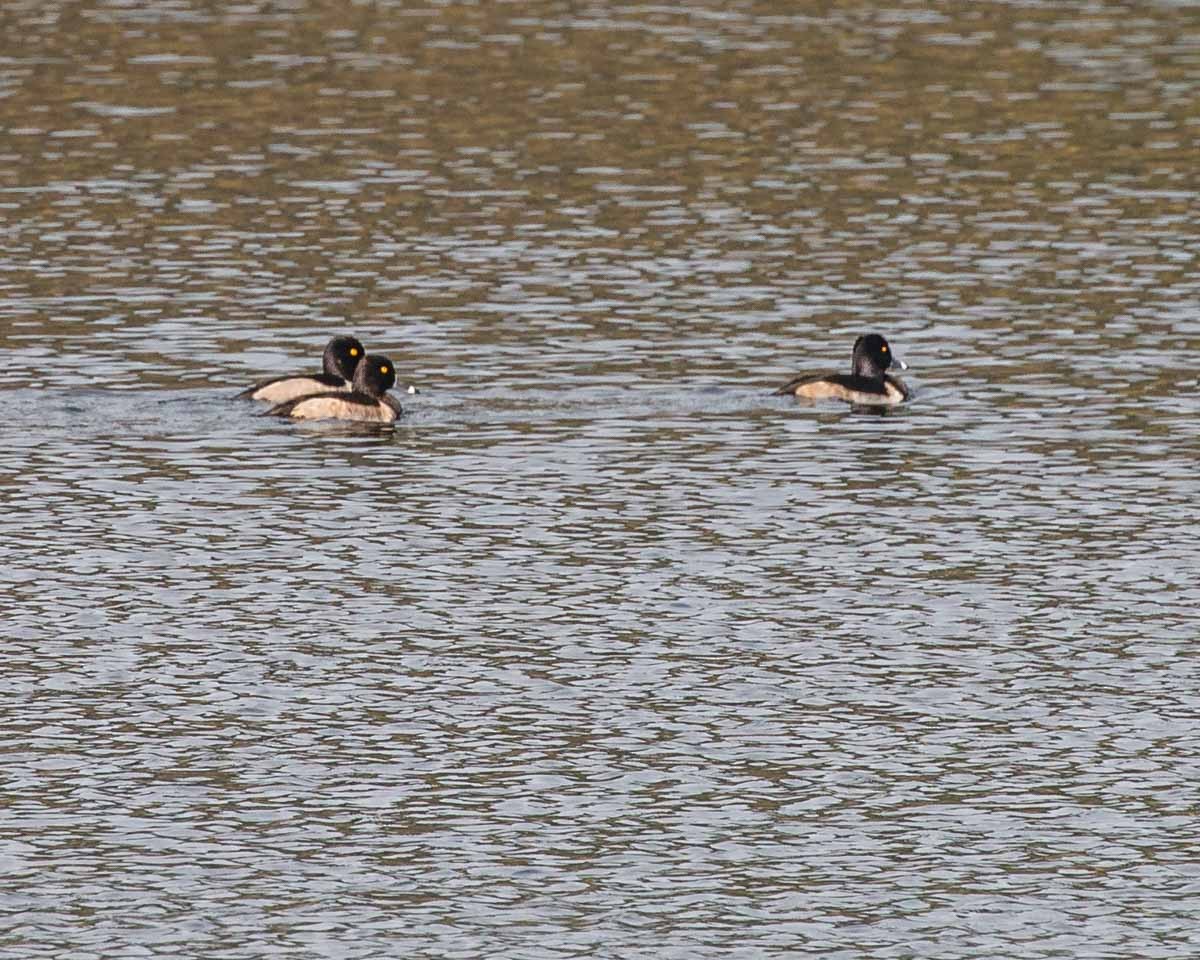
{"x": 375, "y": 376}
{"x": 342, "y": 356}
{"x": 872, "y": 356}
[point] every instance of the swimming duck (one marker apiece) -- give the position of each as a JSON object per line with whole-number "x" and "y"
{"x": 868, "y": 384}
{"x": 366, "y": 401}
{"x": 341, "y": 358}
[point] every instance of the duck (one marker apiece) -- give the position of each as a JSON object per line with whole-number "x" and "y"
{"x": 366, "y": 401}
{"x": 868, "y": 383}
{"x": 340, "y": 360}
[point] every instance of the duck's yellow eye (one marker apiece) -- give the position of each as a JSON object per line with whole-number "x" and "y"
{"x": 383, "y": 369}
{"x": 884, "y": 348}
{"x": 354, "y": 351}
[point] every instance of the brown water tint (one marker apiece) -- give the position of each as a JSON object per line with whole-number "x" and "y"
{"x": 603, "y": 651}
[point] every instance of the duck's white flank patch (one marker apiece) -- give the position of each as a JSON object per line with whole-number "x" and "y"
{"x": 281, "y": 391}
{"x": 335, "y": 408}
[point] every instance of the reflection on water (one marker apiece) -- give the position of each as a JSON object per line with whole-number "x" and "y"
{"x": 602, "y": 650}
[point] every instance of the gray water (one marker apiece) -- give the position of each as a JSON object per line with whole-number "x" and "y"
{"x": 602, "y": 651}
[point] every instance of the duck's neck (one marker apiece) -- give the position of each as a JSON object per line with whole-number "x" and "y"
{"x": 866, "y": 367}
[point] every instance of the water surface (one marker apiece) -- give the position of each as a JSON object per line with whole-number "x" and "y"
{"x": 602, "y": 651}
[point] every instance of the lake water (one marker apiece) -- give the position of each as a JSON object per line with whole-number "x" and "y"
{"x": 602, "y": 651}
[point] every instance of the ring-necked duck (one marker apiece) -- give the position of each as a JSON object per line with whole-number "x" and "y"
{"x": 341, "y": 358}
{"x": 868, "y": 384}
{"x": 367, "y": 400}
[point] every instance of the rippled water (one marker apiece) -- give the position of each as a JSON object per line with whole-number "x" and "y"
{"x": 603, "y": 651}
